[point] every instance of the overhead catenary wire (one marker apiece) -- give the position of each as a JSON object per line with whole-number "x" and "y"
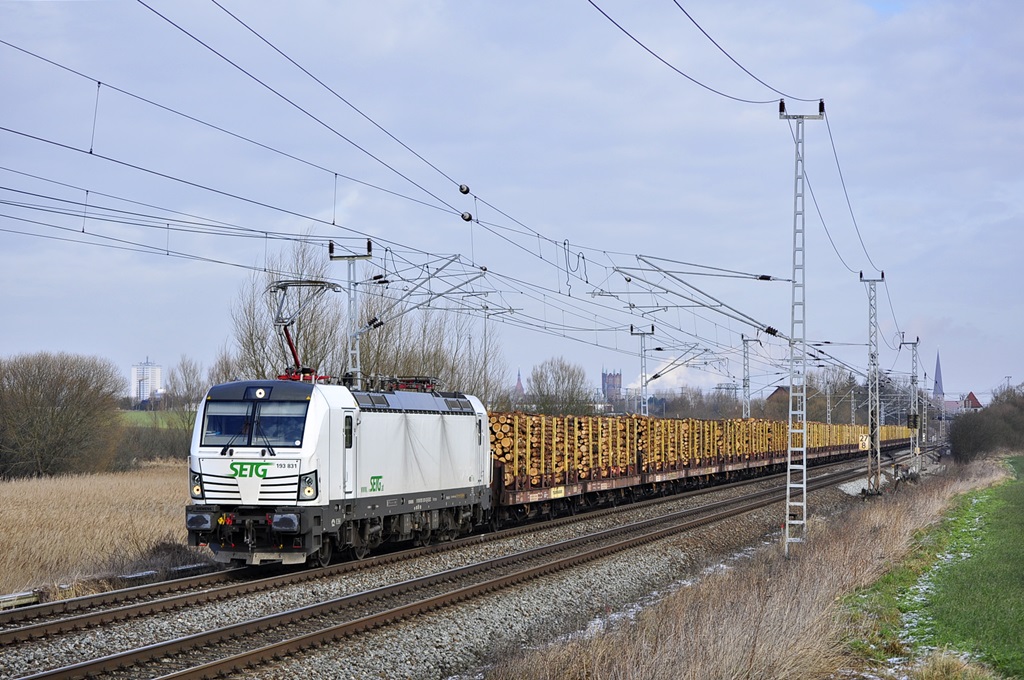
{"x": 672, "y": 66}
{"x": 567, "y": 270}
{"x": 221, "y": 129}
{"x": 332, "y": 91}
{"x": 846, "y": 193}
{"x": 561, "y": 330}
{"x": 733, "y": 60}
{"x": 306, "y": 112}
{"x": 489, "y": 226}
{"x": 562, "y": 334}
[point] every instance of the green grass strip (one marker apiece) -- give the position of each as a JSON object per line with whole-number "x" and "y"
{"x": 962, "y": 587}
{"x": 977, "y": 603}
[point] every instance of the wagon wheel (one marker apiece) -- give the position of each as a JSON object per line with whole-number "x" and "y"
{"x": 359, "y": 552}
{"x": 422, "y": 538}
{"x": 322, "y": 557}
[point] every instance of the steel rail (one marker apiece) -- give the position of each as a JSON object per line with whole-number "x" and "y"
{"x": 162, "y": 650}
{"x": 234, "y": 589}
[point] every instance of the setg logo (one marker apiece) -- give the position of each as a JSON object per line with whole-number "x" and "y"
{"x": 241, "y": 468}
{"x": 376, "y": 483}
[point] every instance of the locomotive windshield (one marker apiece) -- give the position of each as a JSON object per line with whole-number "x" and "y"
{"x": 246, "y": 423}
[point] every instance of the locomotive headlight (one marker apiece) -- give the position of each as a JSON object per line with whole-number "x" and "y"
{"x": 197, "y": 484}
{"x": 307, "y": 486}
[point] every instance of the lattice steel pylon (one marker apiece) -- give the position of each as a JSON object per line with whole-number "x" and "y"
{"x": 643, "y": 365}
{"x": 746, "y": 375}
{"x": 352, "y": 365}
{"x": 874, "y": 407}
{"x": 796, "y": 449}
{"x": 915, "y": 419}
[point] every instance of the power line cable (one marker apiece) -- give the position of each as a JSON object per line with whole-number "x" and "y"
{"x": 332, "y": 91}
{"x": 892, "y": 310}
{"x": 742, "y": 67}
{"x": 674, "y": 68}
{"x": 221, "y": 129}
{"x": 842, "y": 180}
{"x": 301, "y": 109}
{"x": 817, "y": 208}
{"x": 273, "y": 207}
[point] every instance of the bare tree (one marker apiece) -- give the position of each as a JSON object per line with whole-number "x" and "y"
{"x": 224, "y": 368}
{"x": 693, "y": 402}
{"x": 557, "y": 386}
{"x": 459, "y": 350}
{"x": 185, "y": 389}
{"x": 318, "y": 333}
{"x": 58, "y": 414}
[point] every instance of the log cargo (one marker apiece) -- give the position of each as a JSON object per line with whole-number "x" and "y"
{"x": 541, "y": 451}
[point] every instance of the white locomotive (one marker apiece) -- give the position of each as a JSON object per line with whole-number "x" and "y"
{"x": 289, "y": 471}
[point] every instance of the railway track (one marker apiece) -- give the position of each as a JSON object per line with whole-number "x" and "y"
{"x": 92, "y": 611}
{"x": 217, "y": 651}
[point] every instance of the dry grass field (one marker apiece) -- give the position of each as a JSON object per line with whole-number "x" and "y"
{"x": 768, "y": 617}
{"x": 61, "y": 530}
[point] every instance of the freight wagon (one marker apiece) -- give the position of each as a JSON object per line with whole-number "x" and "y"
{"x": 549, "y": 463}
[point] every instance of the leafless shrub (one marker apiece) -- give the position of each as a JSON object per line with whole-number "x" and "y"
{"x": 186, "y": 387}
{"x": 58, "y": 414}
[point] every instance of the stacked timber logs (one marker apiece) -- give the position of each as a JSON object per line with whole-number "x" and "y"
{"x": 548, "y": 450}
{"x": 544, "y": 450}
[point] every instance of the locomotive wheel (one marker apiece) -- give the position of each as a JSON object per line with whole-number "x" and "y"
{"x": 322, "y": 557}
{"x": 449, "y": 531}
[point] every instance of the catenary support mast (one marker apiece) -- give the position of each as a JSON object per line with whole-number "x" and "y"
{"x": 874, "y": 406}
{"x": 914, "y": 421}
{"x": 747, "y": 374}
{"x": 796, "y": 458}
{"x": 352, "y": 336}
{"x": 643, "y": 365}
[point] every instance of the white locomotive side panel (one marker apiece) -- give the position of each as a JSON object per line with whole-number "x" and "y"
{"x": 404, "y": 453}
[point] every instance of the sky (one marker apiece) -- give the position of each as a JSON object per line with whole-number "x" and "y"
{"x": 626, "y": 165}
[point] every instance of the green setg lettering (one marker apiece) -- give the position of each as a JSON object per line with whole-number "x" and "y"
{"x": 241, "y": 468}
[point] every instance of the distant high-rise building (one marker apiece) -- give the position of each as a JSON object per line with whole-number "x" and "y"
{"x": 147, "y": 380}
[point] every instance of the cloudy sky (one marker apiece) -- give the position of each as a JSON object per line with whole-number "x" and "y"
{"x": 152, "y": 156}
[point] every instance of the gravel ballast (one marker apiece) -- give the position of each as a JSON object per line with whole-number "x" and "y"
{"x": 455, "y": 639}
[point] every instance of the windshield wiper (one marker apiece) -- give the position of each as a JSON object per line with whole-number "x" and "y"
{"x": 231, "y": 441}
{"x": 266, "y": 439}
